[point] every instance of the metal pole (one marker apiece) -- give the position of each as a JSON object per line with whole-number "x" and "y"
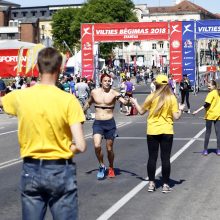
{"x": 66, "y": 45}
{"x": 96, "y": 75}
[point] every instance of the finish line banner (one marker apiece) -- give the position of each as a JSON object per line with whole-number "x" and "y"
{"x": 207, "y": 29}
{"x": 188, "y": 57}
{"x": 130, "y": 31}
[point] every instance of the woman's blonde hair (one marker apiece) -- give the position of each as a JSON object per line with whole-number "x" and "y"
{"x": 164, "y": 93}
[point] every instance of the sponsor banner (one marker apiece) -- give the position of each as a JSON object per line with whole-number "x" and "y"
{"x": 130, "y": 31}
{"x": 188, "y": 57}
{"x": 176, "y": 50}
{"x": 207, "y": 29}
{"x": 87, "y": 50}
{"x": 211, "y": 68}
{"x": 13, "y": 62}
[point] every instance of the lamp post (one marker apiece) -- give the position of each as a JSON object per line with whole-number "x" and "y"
{"x": 137, "y": 44}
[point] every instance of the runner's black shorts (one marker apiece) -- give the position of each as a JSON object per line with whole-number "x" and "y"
{"x": 106, "y": 128}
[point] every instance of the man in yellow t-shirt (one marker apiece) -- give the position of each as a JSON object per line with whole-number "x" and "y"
{"x": 49, "y": 120}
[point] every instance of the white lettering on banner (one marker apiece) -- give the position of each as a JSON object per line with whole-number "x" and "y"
{"x": 188, "y": 58}
{"x": 9, "y": 59}
{"x": 130, "y": 36}
{"x": 177, "y": 63}
{"x": 133, "y": 31}
{"x": 209, "y": 29}
{"x": 106, "y": 32}
{"x": 130, "y": 32}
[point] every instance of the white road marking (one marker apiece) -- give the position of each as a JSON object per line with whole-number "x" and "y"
{"x": 176, "y": 122}
{"x": 8, "y": 132}
{"x": 9, "y": 163}
{"x": 175, "y": 139}
{"x": 120, "y": 203}
{"x": 18, "y": 160}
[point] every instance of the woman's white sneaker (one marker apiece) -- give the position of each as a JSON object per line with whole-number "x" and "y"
{"x": 166, "y": 188}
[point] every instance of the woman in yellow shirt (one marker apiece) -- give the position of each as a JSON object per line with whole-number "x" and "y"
{"x": 212, "y": 107}
{"x": 163, "y": 109}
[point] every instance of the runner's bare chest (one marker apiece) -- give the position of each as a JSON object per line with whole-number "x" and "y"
{"x": 104, "y": 98}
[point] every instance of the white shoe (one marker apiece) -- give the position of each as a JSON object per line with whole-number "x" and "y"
{"x": 166, "y": 188}
{"x": 188, "y": 111}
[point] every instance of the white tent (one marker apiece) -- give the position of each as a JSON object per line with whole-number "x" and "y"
{"x": 76, "y": 62}
{"x": 15, "y": 44}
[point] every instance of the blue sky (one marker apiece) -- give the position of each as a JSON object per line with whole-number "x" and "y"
{"x": 211, "y": 5}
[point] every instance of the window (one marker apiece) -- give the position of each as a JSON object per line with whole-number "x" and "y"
{"x": 43, "y": 13}
{"x": 161, "y": 45}
{"x": 33, "y": 13}
{"x": 24, "y": 13}
{"x": 154, "y": 46}
{"x": 13, "y": 23}
{"x": 168, "y": 45}
{"x": 15, "y": 14}
{"x": 11, "y": 35}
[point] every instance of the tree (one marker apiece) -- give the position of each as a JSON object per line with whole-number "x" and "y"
{"x": 104, "y": 11}
{"x": 61, "y": 31}
{"x": 66, "y": 22}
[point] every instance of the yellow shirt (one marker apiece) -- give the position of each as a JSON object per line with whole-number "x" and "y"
{"x": 213, "y": 112}
{"x": 45, "y": 114}
{"x": 163, "y": 122}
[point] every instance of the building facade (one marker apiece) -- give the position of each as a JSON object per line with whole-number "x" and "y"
{"x": 30, "y": 24}
{"x": 156, "y": 53}
{"x": 33, "y": 24}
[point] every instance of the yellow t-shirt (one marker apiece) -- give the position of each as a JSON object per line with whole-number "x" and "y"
{"x": 163, "y": 122}
{"x": 45, "y": 114}
{"x": 213, "y": 112}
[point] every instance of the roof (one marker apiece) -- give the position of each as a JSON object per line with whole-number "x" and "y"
{"x": 184, "y": 6}
{"x": 28, "y": 20}
{"x": 48, "y": 6}
{"x": 218, "y": 15}
{"x": 6, "y": 3}
{"x": 14, "y": 44}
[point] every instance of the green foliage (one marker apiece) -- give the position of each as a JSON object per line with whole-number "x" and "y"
{"x": 67, "y": 22}
{"x": 61, "y": 31}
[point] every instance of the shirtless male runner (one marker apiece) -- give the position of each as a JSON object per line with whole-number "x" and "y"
{"x": 104, "y": 124}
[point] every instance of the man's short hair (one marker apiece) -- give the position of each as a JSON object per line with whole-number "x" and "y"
{"x": 49, "y": 60}
{"x": 105, "y": 75}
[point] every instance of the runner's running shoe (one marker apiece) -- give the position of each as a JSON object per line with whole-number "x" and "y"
{"x": 218, "y": 152}
{"x": 205, "y": 153}
{"x": 166, "y": 188}
{"x": 101, "y": 172}
{"x": 111, "y": 172}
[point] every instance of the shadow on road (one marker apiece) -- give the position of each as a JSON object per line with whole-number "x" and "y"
{"x": 118, "y": 172}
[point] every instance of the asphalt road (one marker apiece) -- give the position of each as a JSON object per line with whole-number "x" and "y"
{"x": 194, "y": 178}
